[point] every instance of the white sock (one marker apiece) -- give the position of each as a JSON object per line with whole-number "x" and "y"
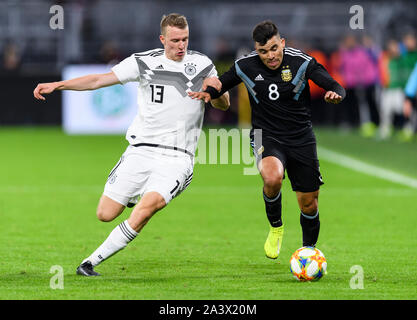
{"x": 116, "y": 241}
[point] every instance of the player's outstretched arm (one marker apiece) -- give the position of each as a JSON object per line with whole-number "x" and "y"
{"x": 332, "y": 97}
{"x": 200, "y": 95}
{"x": 335, "y": 93}
{"x": 222, "y": 102}
{"x": 89, "y": 82}
{"x": 212, "y": 82}
{"x": 216, "y": 89}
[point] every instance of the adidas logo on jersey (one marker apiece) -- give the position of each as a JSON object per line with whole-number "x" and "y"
{"x": 259, "y": 78}
{"x": 159, "y": 67}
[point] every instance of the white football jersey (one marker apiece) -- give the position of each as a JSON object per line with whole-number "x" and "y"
{"x": 166, "y": 116}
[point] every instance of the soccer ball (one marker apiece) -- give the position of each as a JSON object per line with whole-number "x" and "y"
{"x": 308, "y": 264}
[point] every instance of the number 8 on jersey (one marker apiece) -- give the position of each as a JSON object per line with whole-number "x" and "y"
{"x": 273, "y": 92}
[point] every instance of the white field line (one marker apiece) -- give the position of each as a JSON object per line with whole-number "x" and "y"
{"x": 369, "y": 169}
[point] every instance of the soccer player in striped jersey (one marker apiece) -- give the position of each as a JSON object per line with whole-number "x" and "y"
{"x": 282, "y": 137}
{"x": 158, "y": 162}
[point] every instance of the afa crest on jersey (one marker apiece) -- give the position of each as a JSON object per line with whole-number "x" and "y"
{"x": 286, "y": 74}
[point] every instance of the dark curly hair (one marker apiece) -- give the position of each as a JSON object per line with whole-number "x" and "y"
{"x": 264, "y": 31}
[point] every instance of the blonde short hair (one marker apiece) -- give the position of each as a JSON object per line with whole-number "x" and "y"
{"x": 173, "y": 20}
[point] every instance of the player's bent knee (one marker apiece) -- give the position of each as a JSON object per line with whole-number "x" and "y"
{"x": 272, "y": 177}
{"x": 310, "y": 208}
{"x": 108, "y": 209}
{"x": 104, "y": 216}
{"x": 273, "y": 182}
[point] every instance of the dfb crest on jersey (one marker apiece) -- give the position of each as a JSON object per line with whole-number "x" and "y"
{"x": 286, "y": 74}
{"x": 190, "y": 69}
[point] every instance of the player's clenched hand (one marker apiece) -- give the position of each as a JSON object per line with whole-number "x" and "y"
{"x": 200, "y": 95}
{"x": 332, "y": 97}
{"x": 212, "y": 82}
{"x": 44, "y": 88}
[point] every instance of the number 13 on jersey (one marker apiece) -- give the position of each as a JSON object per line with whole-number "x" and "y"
{"x": 157, "y": 93}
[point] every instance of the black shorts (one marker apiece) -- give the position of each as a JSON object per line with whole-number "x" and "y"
{"x": 300, "y": 162}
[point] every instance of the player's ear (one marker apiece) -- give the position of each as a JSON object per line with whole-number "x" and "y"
{"x": 283, "y": 42}
{"x": 162, "y": 39}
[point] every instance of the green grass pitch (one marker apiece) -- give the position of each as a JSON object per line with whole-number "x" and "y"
{"x": 208, "y": 243}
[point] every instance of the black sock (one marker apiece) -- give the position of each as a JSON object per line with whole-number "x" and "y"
{"x": 310, "y": 226}
{"x": 273, "y": 210}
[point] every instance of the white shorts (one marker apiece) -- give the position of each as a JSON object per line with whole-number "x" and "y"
{"x": 144, "y": 169}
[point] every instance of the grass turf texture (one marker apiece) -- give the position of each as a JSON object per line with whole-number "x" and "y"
{"x": 208, "y": 243}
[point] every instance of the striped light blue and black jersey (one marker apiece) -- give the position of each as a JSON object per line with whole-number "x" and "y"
{"x": 280, "y": 99}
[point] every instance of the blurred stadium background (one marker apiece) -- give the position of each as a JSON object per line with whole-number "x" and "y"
{"x": 103, "y": 32}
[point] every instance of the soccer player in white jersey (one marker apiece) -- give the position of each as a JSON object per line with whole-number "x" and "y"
{"x": 158, "y": 163}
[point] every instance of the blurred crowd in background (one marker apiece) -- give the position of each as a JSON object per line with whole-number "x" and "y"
{"x": 378, "y": 69}
{"x": 375, "y": 78}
